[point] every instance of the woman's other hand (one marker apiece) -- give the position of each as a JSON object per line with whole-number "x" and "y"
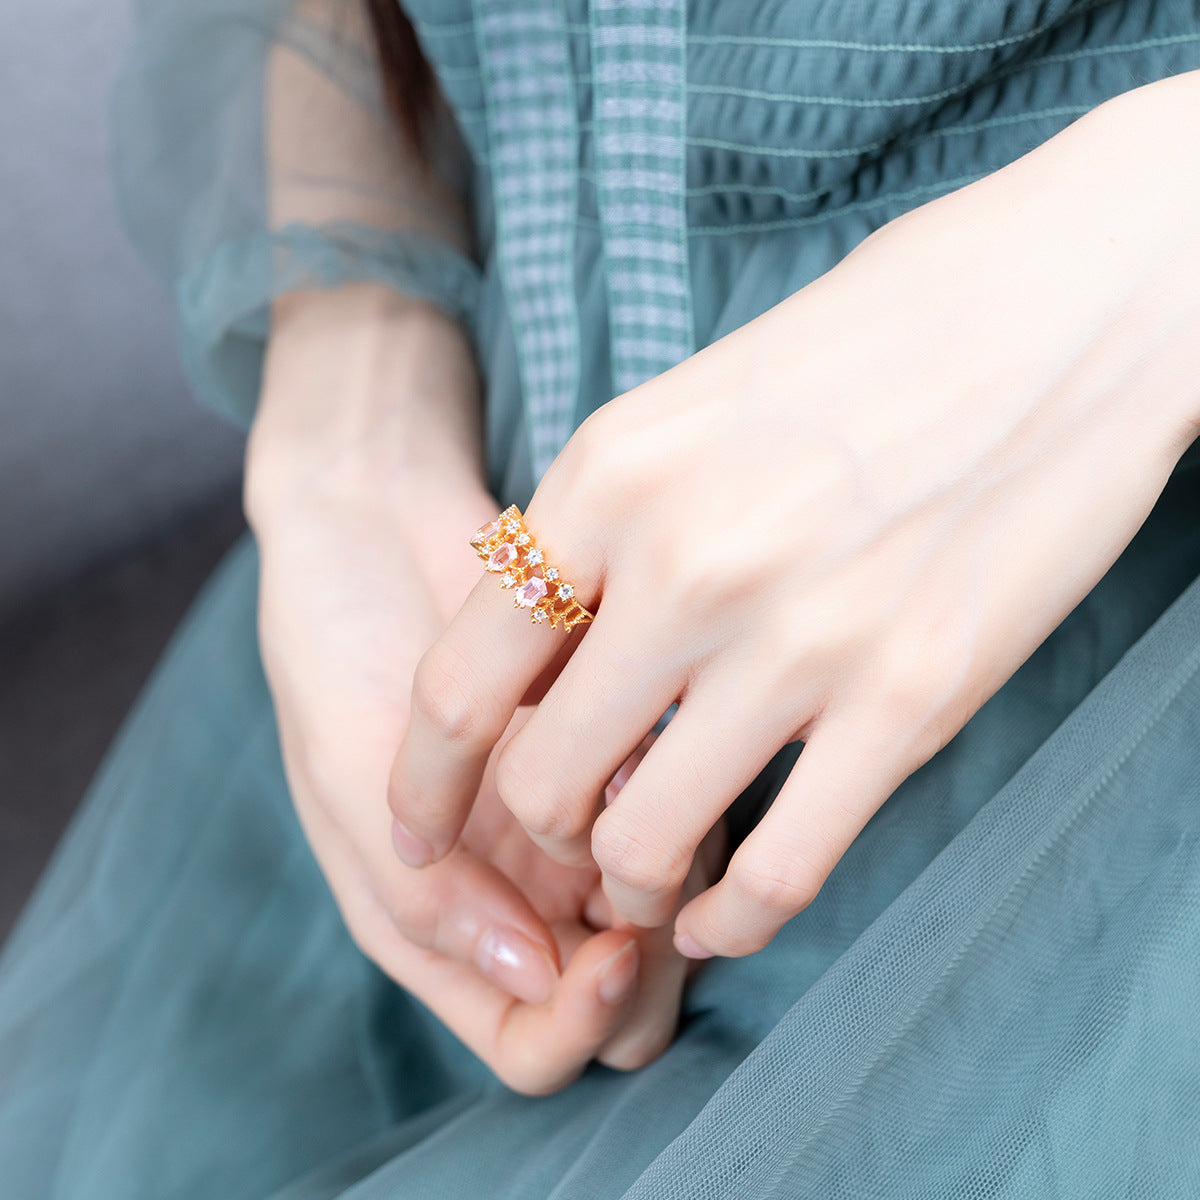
{"x": 846, "y": 523}
{"x": 362, "y": 476}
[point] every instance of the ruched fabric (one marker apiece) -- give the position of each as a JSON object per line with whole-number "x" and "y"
{"x": 994, "y": 995}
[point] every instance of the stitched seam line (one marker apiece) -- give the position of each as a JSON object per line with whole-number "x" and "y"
{"x": 931, "y": 97}
{"x": 766, "y": 41}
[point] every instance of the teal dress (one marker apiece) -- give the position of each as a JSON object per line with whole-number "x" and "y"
{"x": 997, "y": 993}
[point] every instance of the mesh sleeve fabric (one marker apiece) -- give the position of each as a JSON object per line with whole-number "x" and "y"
{"x": 253, "y": 155}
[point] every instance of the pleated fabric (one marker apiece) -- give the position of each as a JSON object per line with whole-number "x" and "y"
{"x": 994, "y": 996}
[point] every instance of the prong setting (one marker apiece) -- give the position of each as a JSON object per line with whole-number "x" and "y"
{"x": 506, "y": 545}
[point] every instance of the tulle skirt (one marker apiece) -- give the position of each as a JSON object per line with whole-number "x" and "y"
{"x": 995, "y": 994}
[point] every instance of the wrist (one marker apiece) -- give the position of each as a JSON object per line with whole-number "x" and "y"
{"x": 1110, "y": 264}
{"x": 363, "y": 386}
{"x": 1146, "y": 143}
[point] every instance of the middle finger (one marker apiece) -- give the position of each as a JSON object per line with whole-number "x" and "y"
{"x": 714, "y": 747}
{"x": 553, "y": 772}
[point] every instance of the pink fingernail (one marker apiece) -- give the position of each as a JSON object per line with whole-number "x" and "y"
{"x": 516, "y": 963}
{"x": 618, "y": 974}
{"x": 413, "y": 851}
{"x": 689, "y": 947}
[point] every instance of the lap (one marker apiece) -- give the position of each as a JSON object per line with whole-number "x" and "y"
{"x": 182, "y": 1012}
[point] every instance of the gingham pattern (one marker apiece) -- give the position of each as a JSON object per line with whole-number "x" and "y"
{"x": 533, "y": 138}
{"x": 639, "y": 76}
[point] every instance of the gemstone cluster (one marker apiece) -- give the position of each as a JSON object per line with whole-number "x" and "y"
{"x": 508, "y": 549}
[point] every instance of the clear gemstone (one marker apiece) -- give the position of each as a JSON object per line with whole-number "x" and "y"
{"x": 507, "y": 579}
{"x": 551, "y": 572}
{"x": 503, "y": 556}
{"x": 522, "y": 539}
{"x": 486, "y": 532}
{"x": 535, "y": 556}
{"x": 510, "y": 526}
{"x": 538, "y": 614}
{"x": 531, "y": 591}
{"x": 566, "y": 591}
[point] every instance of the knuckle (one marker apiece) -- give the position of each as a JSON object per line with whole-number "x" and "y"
{"x": 780, "y": 884}
{"x": 610, "y": 460}
{"x": 928, "y": 737}
{"x": 588, "y": 444}
{"x": 548, "y": 818}
{"x": 685, "y": 572}
{"x": 631, "y": 857}
{"x": 695, "y": 579}
{"x": 729, "y": 941}
{"x": 540, "y": 807}
{"x": 579, "y": 468}
{"x": 443, "y": 695}
{"x": 919, "y": 680}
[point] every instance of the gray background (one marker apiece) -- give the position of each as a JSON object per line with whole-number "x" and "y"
{"x": 118, "y": 492}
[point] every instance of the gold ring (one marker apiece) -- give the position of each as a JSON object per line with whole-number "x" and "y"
{"x": 507, "y": 548}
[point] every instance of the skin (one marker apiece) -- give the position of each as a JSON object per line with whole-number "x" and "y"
{"x": 848, "y": 522}
{"x": 364, "y": 479}
{"x": 363, "y": 472}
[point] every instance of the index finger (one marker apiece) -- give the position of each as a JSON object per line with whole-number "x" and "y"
{"x": 468, "y": 684}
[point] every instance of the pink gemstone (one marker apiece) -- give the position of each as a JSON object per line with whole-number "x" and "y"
{"x": 531, "y": 591}
{"x": 486, "y": 532}
{"x": 503, "y": 556}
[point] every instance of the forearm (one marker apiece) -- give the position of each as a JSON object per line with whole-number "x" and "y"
{"x": 358, "y": 379}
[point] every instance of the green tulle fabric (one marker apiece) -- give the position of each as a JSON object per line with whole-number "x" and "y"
{"x": 995, "y": 995}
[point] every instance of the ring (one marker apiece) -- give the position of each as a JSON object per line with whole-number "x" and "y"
{"x": 507, "y": 546}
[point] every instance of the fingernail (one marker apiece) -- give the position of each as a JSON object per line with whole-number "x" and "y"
{"x": 689, "y": 947}
{"x": 618, "y": 974}
{"x": 517, "y": 964}
{"x": 413, "y": 851}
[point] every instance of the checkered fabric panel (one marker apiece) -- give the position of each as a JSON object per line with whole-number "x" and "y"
{"x": 639, "y": 75}
{"x": 533, "y": 135}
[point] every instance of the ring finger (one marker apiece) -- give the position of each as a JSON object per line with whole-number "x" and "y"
{"x": 713, "y": 748}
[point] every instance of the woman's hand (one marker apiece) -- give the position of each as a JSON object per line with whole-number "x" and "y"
{"x": 363, "y": 561}
{"x": 847, "y": 522}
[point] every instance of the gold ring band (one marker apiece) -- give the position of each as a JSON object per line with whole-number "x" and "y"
{"x": 508, "y": 549}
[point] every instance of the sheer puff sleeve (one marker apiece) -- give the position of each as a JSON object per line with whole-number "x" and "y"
{"x": 254, "y": 155}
